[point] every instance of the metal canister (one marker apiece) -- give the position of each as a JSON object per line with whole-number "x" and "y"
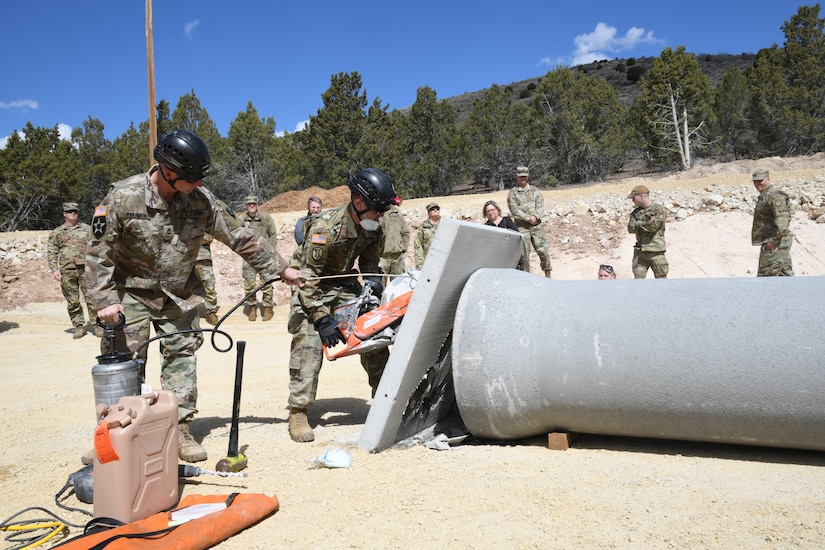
{"x": 116, "y": 375}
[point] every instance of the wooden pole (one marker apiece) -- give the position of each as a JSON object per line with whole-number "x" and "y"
{"x": 150, "y": 60}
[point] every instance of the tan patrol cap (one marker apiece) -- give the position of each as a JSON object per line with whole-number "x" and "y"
{"x": 760, "y": 175}
{"x": 251, "y": 199}
{"x": 432, "y": 206}
{"x": 638, "y": 190}
{"x": 522, "y": 171}
{"x": 70, "y": 206}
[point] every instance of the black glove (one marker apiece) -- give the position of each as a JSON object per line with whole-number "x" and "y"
{"x": 377, "y": 287}
{"x": 328, "y": 329}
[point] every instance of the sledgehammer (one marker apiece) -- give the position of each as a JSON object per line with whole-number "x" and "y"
{"x": 235, "y": 461}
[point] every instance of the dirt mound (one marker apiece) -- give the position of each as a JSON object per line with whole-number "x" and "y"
{"x": 297, "y": 200}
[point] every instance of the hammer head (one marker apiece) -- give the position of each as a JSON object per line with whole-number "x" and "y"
{"x": 232, "y": 463}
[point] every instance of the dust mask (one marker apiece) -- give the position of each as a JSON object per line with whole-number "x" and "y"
{"x": 369, "y": 225}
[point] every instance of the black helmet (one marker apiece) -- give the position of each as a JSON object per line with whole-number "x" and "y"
{"x": 376, "y": 188}
{"x": 185, "y": 153}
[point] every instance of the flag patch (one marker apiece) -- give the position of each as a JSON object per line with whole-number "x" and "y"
{"x": 318, "y": 239}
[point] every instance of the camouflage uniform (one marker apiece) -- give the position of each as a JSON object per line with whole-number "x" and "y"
{"x": 143, "y": 256}
{"x": 648, "y": 224}
{"x": 396, "y": 242}
{"x": 206, "y": 273}
{"x": 265, "y": 225}
{"x": 771, "y": 222}
{"x": 66, "y": 253}
{"x": 333, "y": 244}
{"x": 423, "y": 237}
{"x": 524, "y": 202}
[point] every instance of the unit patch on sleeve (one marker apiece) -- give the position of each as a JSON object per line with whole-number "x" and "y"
{"x": 99, "y": 221}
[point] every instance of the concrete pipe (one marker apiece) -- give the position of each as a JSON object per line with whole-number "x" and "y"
{"x": 719, "y": 360}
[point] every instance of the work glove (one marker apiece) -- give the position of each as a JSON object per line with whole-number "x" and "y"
{"x": 328, "y": 330}
{"x": 375, "y": 284}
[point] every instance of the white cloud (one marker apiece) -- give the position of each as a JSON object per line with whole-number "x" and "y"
{"x": 604, "y": 43}
{"x": 190, "y": 27}
{"x": 24, "y": 105}
{"x": 5, "y": 140}
{"x": 65, "y": 131}
{"x": 301, "y": 125}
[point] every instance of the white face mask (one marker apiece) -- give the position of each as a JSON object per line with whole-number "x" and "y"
{"x": 369, "y": 225}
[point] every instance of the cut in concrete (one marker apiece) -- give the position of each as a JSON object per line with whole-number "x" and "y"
{"x": 718, "y": 360}
{"x": 417, "y": 376}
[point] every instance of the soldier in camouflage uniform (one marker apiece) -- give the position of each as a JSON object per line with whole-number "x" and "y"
{"x": 335, "y": 239}
{"x": 526, "y": 205}
{"x": 396, "y": 242}
{"x": 647, "y": 222}
{"x": 771, "y": 228}
{"x": 206, "y": 273}
{"x": 66, "y": 254}
{"x": 265, "y": 225}
{"x": 425, "y": 234}
{"x": 141, "y": 264}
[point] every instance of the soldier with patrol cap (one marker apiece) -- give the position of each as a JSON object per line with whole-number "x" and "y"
{"x": 335, "y": 240}
{"x": 526, "y": 205}
{"x": 265, "y": 225}
{"x": 425, "y": 234}
{"x": 771, "y": 228}
{"x": 66, "y": 254}
{"x": 140, "y": 264}
{"x": 647, "y": 222}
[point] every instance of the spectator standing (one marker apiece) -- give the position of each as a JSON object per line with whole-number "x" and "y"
{"x": 140, "y": 264}
{"x": 526, "y": 205}
{"x": 265, "y": 226}
{"x": 314, "y": 207}
{"x": 771, "y": 228}
{"x": 424, "y": 235}
{"x": 206, "y": 273}
{"x": 335, "y": 240}
{"x": 66, "y": 254}
{"x": 647, "y": 222}
{"x": 492, "y": 212}
{"x": 396, "y": 242}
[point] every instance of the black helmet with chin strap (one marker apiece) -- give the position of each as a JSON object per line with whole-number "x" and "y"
{"x": 185, "y": 153}
{"x": 376, "y": 188}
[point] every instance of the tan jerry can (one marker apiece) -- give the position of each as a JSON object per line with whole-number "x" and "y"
{"x": 136, "y": 457}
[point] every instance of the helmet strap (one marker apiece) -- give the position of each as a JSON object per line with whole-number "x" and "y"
{"x": 172, "y": 182}
{"x": 359, "y": 213}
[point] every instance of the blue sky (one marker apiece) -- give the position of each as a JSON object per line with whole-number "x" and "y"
{"x": 65, "y": 61}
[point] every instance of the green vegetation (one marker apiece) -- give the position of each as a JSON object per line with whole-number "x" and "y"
{"x": 573, "y": 125}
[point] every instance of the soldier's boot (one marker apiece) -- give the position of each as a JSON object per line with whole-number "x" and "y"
{"x": 253, "y": 312}
{"x": 267, "y": 316}
{"x": 79, "y": 332}
{"x": 88, "y": 457}
{"x": 212, "y": 318}
{"x": 547, "y": 273}
{"x": 189, "y": 450}
{"x": 299, "y": 429}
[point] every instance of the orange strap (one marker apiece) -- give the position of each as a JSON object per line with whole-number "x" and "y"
{"x": 103, "y": 444}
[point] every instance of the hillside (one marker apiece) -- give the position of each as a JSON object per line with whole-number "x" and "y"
{"x": 713, "y": 66}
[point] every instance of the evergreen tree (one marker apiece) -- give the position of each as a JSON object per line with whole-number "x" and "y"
{"x": 676, "y": 102}
{"x": 583, "y": 125}
{"x": 95, "y": 159}
{"x": 732, "y": 98}
{"x": 251, "y": 154}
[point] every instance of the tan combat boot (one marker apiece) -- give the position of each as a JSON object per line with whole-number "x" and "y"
{"x": 253, "y": 312}
{"x": 267, "y": 316}
{"x": 189, "y": 450}
{"x": 212, "y": 318}
{"x": 79, "y": 332}
{"x": 299, "y": 429}
{"x": 547, "y": 273}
